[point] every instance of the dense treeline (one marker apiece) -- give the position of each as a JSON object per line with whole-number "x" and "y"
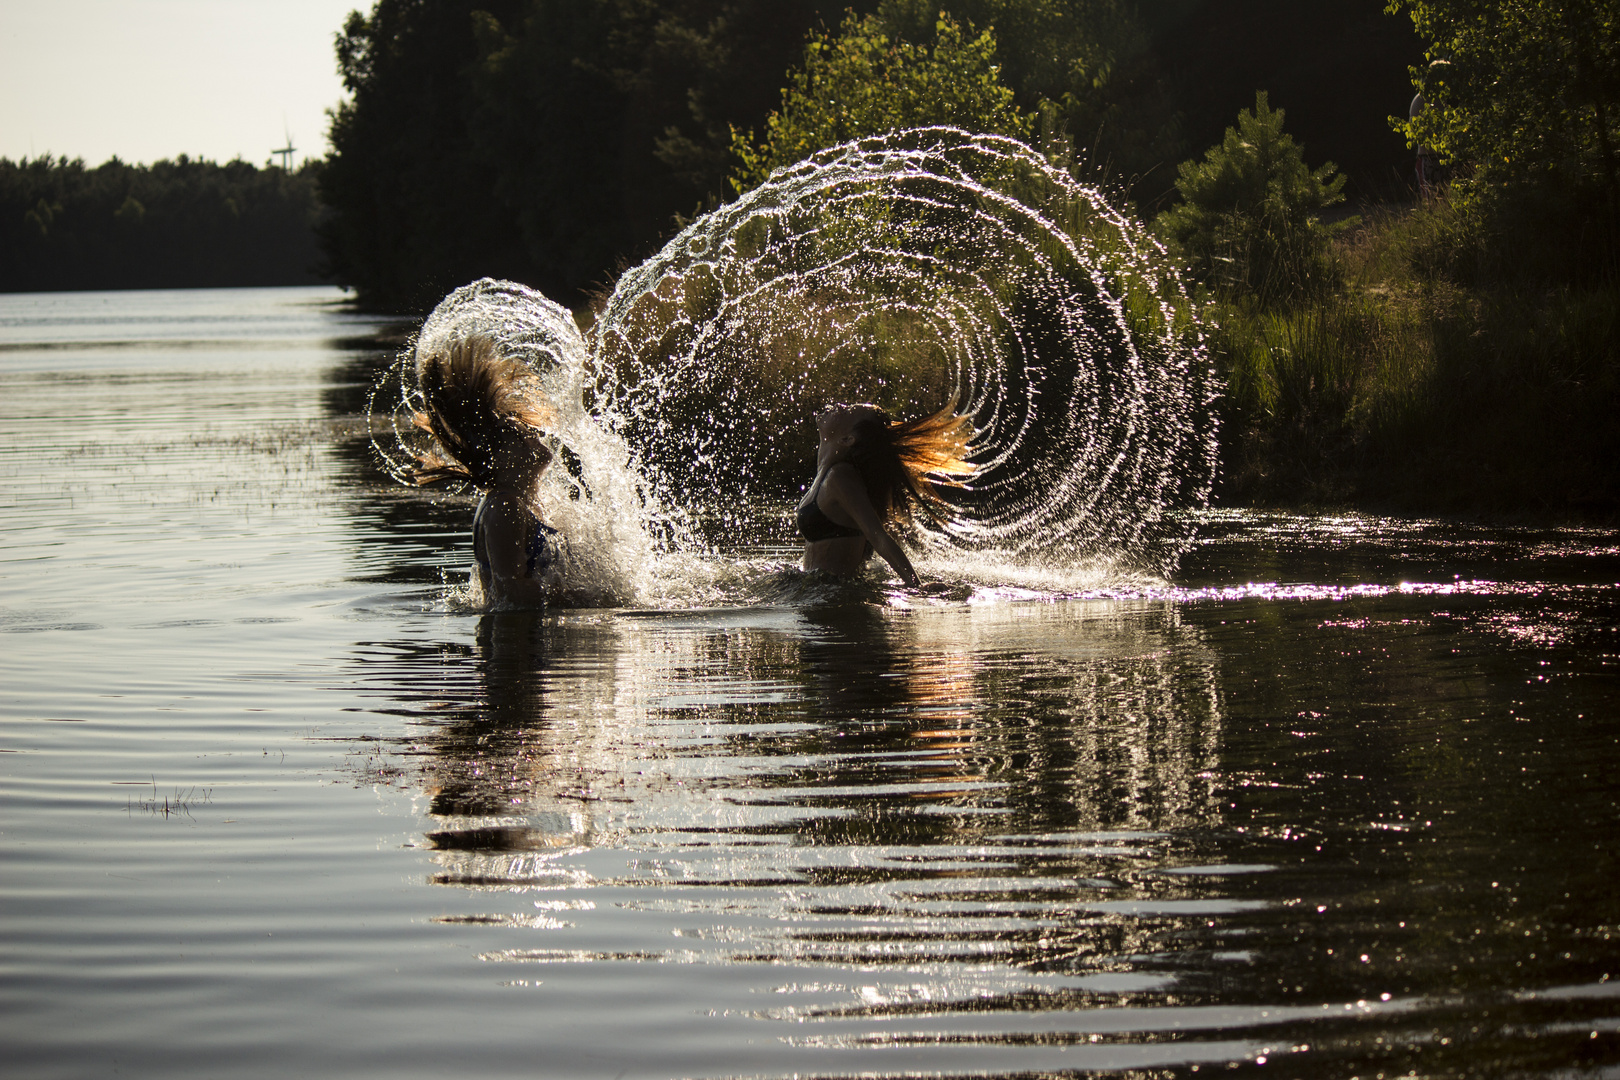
{"x": 547, "y": 141}
{"x": 1141, "y": 86}
{"x": 554, "y": 141}
{"x": 175, "y": 224}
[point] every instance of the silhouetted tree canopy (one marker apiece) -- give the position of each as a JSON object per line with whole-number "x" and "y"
{"x": 862, "y": 81}
{"x": 1142, "y": 85}
{"x": 174, "y": 224}
{"x": 554, "y": 141}
{"x": 548, "y": 141}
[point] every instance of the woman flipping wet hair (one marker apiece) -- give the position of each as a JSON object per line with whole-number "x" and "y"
{"x": 486, "y": 413}
{"x": 871, "y": 473}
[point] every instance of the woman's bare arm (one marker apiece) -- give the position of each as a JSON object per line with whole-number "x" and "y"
{"x": 846, "y": 491}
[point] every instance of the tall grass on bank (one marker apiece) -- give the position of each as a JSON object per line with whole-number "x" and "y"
{"x": 1408, "y": 390}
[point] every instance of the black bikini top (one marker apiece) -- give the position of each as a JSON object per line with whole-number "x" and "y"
{"x": 815, "y": 525}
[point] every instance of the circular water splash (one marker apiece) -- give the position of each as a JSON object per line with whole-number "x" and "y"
{"x": 593, "y": 493}
{"x": 910, "y": 270}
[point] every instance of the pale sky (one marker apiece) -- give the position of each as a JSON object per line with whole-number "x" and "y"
{"x": 152, "y": 79}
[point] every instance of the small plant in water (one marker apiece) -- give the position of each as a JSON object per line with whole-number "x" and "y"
{"x": 179, "y": 803}
{"x": 373, "y": 765}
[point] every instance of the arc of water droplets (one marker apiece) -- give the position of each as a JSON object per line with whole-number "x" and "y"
{"x": 910, "y": 270}
{"x": 907, "y": 269}
{"x": 593, "y": 493}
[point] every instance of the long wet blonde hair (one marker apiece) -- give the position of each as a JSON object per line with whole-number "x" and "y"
{"x": 475, "y": 402}
{"x": 905, "y": 463}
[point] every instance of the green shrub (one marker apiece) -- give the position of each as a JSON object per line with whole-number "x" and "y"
{"x": 1248, "y": 222}
{"x": 1410, "y": 391}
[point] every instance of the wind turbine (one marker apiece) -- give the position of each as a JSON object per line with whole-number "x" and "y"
{"x": 286, "y": 152}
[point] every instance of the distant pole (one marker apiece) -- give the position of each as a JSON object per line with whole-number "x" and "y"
{"x": 286, "y": 153}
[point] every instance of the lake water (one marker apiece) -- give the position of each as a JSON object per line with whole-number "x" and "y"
{"x": 1339, "y": 800}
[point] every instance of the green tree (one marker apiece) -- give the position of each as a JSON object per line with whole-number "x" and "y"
{"x": 1520, "y": 89}
{"x": 1088, "y": 63}
{"x": 1249, "y": 220}
{"x": 1523, "y": 100}
{"x": 862, "y": 81}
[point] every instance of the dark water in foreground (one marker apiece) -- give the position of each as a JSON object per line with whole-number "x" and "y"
{"x": 1339, "y": 801}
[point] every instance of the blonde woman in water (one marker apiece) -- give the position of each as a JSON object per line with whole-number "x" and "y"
{"x": 485, "y": 411}
{"x": 873, "y": 473}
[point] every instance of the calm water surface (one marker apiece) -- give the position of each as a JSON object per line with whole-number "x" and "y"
{"x": 1340, "y": 800}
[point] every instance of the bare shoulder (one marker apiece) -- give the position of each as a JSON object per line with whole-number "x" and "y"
{"x": 504, "y": 514}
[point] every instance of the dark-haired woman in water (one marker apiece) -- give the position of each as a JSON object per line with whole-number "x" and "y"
{"x": 872, "y": 472}
{"x": 485, "y": 411}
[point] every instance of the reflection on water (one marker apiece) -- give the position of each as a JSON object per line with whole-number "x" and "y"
{"x": 972, "y": 801}
{"x": 1341, "y": 797}
{"x": 1028, "y": 825}
{"x": 822, "y": 719}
